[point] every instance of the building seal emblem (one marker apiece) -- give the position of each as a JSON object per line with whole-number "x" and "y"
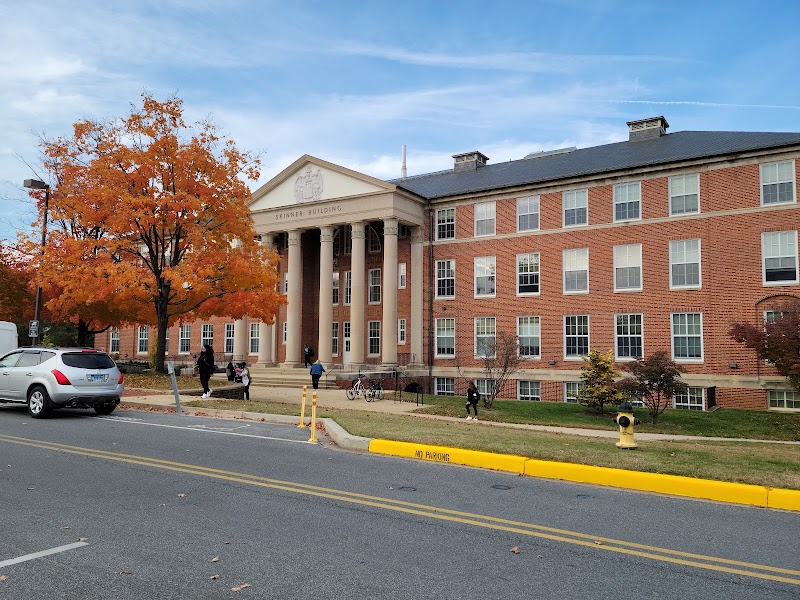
{"x": 308, "y": 185}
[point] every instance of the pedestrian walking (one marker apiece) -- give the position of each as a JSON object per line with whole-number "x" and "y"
{"x": 245, "y": 375}
{"x": 206, "y": 368}
{"x": 308, "y": 352}
{"x": 316, "y": 372}
{"x": 229, "y": 371}
{"x": 472, "y": 401}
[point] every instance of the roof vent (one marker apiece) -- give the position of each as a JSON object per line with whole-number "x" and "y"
{"x": 647, "y": 129}
{"x": 469, "y": 161}
{"x": 544, "y": 153}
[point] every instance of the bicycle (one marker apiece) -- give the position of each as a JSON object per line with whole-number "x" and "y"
{"x": 374, "y": 392}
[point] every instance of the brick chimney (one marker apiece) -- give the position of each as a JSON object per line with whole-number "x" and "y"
{"x": 469, "y": 161}
{"x": 647, "y": 129}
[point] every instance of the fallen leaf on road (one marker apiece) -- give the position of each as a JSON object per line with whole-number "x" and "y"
{"x": 82, "y": 539}
{"x": 598, "y": 542}
{"x": 515, "y": 550}
{"x": 239, "y": 588}
{"x": 126, "y": 572}
{"x": 3, "y": 577}
{"x": 214, "y": 577}
{"x": 30, "y": 488}
{"x": 182, "y": 495}
{"x": 215, "y": 559}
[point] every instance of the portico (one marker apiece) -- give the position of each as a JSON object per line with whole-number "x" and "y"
{"x": 351, "y": 250}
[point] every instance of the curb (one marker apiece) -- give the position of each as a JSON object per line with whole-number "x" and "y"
{"x": 675, "y": 485}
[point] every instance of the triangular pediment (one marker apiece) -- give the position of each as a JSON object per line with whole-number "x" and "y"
{"x": 310, "y": 179}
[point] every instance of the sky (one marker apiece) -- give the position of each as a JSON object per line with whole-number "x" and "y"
{"x": 351, "y": 82}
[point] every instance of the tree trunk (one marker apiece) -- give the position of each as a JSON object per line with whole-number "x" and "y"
{"x": 162, "y": 307}
{"x": 83, "y": 333}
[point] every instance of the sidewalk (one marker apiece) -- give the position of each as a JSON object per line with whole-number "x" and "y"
{"x": 753, "y": 495}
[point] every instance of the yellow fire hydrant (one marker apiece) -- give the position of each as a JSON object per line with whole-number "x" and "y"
{"x": 626, "y": 420}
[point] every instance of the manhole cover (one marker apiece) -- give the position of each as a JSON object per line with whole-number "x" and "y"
{"x": 499, "y": 486}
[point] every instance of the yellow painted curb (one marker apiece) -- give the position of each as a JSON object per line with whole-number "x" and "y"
{"x": 444, "y": 454}
{"x": 676, "y": 485}
{"x": 785, "y": 499}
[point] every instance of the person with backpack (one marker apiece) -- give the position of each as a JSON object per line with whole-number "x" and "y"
{"x": 473, "y": 395}
{"x": 206, "y": 368}
{"x": 245, "y": 377}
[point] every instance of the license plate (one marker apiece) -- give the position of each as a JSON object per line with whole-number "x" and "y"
{"x": 96, "y": 377}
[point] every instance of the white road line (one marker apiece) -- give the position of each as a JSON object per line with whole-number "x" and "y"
{"x": 195, "y": 429}
{"x": 13, "y": 561}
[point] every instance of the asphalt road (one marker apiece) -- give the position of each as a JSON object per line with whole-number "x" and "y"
{"x": 144, "y": 505}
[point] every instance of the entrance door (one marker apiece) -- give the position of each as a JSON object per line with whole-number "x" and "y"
{"x": 346, "y": 340}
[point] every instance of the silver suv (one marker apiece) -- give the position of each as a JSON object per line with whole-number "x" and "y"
{"x": 48, "y": 378}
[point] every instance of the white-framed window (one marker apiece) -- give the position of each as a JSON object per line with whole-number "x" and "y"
{"x": 401, "y": 331}
{"x": 485, "y": 386}
{"x": 528, "y": 213}
{"x": 374, "y": 286}
{"x": 283, "y": 335}
{"x": 628, "y": 336}
{"x": 348, "y": 287}
{"x": 142, "y": 334}
{"x": 207, "y": 334}
{"x": 335, "y": 289}
{"x": 684, "y": 194}
{"x": 374, "y": 338}
{"x": 113, "y": 340}
{"x": 528, "y": 274}
{"x": 576, "y": 336}
{"x": 576, "y": 270}
{"x": 255, "y": 334}
{"x": 529, "y": 390}
{"x": 445, "y": 337}
{"x": 484, "y": 219}
{"x": 628, "y": 201}
{"x": 185, "y": 339}
{"x": 691, "y": 400}
{"x": 628, "y": 268}
{"x": 529, "y": 335}
{"x": 445, "y": 386}
{"x": 348, "y": 240}
{"x": 446, "y": 224}
{"x": 229, "y": 329}
{"x": 346, "y": 336}
{"x": 401, "y": 276}
{"x": 285, "y": 283}
{"x": 687, "y": 337}
{"x": 779, "y": 257}
{"x": 373, "y": 240}
{"x": 485, "y": 332}
{"x": 335, "y": 338}
{"x": 485, "y": 273}
{"x": 446, "y": 278}
{"x": 572, "y": 390}
{"x": 783, "y": 399}
{"x": 684, "y": 264}
{"x": 575, "y": 208}
{"x": 777, "y": 182}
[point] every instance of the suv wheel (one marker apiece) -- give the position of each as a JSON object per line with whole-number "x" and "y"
{"x": 38, "y": 402}
{"x": 104, "y": 409}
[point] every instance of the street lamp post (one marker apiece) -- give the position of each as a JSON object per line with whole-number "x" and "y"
{"x": 37, "y": 184}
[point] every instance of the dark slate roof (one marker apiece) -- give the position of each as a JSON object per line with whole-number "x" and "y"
{"x": 673, "y": 147}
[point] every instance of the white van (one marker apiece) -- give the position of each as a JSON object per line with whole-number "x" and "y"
{"x": 8, "y": 337}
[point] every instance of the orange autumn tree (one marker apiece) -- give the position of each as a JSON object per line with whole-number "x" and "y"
{"x": 165, "y": 231}
{"x": 16, "y": 297}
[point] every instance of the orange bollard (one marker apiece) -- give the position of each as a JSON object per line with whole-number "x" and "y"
{"x": 313, "y": 437}
{"x": 302, "y": 422}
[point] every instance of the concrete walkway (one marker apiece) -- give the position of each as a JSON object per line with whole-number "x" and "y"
{"x": 337, "y": 399}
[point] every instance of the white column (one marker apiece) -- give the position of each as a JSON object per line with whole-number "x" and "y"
{"x": 358, "y": 296}
{"x": 325, "y": 294}
{"x": 416, "y": 327}
{"x": 240, "y": 338}
{"x": 266, "y": 333}
{"x": 389, "y": 327}
{"x": 294, "y": 349}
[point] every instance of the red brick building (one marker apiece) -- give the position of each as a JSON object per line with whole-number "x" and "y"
{"x": 658, "y": 242}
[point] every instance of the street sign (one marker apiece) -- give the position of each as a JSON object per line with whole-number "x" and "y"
{"x": 33, "y": 329}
